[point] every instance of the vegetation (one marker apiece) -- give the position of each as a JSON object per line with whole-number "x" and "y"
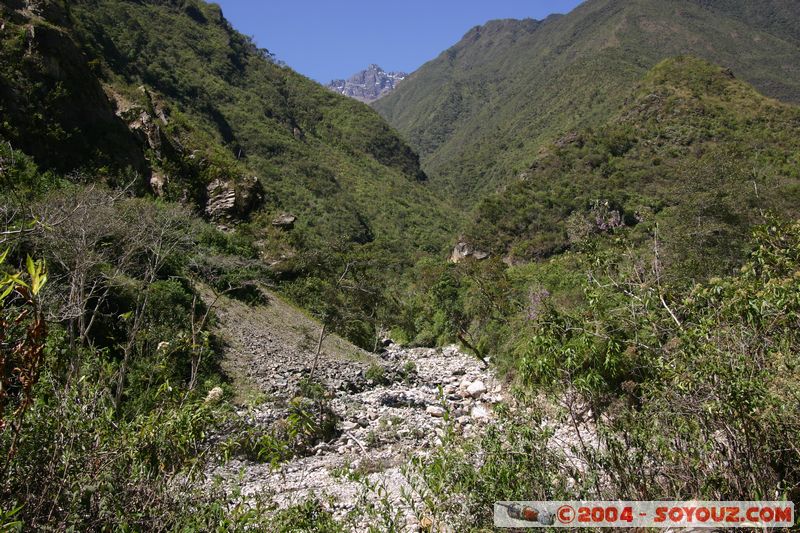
{"x": 645, "y": 365}
{"x": 693, "y": 151}
{"x": 479, "y": 113}
{"x": 641, "y": 296}
{"x": 653, "y": 396}
{"x": 168, "y": 90}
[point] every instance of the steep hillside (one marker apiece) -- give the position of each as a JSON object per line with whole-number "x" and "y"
{"x": 693, "y": 149}
{"x": 169, "y": 90}
{"x": 478, "y": 113}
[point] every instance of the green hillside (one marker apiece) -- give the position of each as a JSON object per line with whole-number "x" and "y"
{"x": 224, "y": 289}
{"x": 170, "y": 91}
{"x": 693, "y": 148}
{"x": 479, "y": 112}
{"x": 659, "y": 315}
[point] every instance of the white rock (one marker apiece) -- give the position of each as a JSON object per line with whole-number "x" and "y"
{"x": 465, "y": 384}
{"x": 476, "y": 389}
{"x": 480, "y": 412}
{"x": 435, "y": 411}
{"x": 349, "y": 426}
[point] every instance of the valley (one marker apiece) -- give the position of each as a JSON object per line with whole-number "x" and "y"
{"x": 559, "y": 261}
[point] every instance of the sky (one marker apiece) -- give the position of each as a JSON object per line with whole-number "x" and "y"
{"x": 332, "y": 39}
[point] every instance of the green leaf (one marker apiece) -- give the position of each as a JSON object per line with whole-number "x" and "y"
{"x": 6, "y": 292}
{"x": 38, "y": 283}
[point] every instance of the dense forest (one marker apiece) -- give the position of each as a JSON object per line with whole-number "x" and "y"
{"x": 630, "y": 267}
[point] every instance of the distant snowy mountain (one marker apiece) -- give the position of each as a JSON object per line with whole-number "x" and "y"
{"x": 368, "y": 85}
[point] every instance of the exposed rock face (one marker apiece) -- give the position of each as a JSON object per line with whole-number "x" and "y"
{"x": 231, "y": 199}
{"x": 368, "y": 85}
{"x": 146, "y": 120}
{"x": 463, "y": 250}
{"x": 158, "y": 180}
{"x": 68, "y": 96}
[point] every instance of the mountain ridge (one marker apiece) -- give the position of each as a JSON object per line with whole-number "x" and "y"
{"x": 478, "y": 113}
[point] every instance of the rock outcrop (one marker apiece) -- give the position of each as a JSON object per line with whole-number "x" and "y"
{"x": 284, "y": 221}
{"x": 233, "y": 199}
{"x": 368, "y": 85}
{"x": 464, "y": 250}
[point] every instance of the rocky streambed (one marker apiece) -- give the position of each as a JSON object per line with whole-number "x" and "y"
{"x": 382, "y": 425}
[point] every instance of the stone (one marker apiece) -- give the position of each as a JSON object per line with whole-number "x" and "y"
{"x": 229, "y": 199}
{"x": 480, "y": 412}
{"x": 349, "y": 426}
{"x": 476, "y": 389}
{"x": 158, "y": 181}
{"x": 459, "y": 412}
{"x": 284, "y": 221}
{"x": 435, "y": 411}
{"x": 464, "y": 250}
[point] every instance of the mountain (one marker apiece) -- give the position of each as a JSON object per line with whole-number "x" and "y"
{"x": 168, "y": 91}
{"x": 693, "y": 151}
{"x": 479, "y": 112}
{"x": 368, "y": 85}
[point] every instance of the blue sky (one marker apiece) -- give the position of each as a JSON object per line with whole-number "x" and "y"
{"x": 329, "y": 39}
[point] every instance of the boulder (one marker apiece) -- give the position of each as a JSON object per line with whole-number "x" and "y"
{"x": 284, "y": 221}
{"x": 464, "y": 250}
{"x": 477, "y": 389}
{"x": 221, "y": 198}
{"x": 229, "y": 199}
{"x": 349, "y": 426}
{"x": 158, "y": 181}
{"x": 480, "y": 412}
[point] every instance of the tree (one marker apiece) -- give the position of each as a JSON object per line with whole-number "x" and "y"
{"x": 156, "y": 232}
{"x": 343, "y": 291}
{"x": 77, "y": 229}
